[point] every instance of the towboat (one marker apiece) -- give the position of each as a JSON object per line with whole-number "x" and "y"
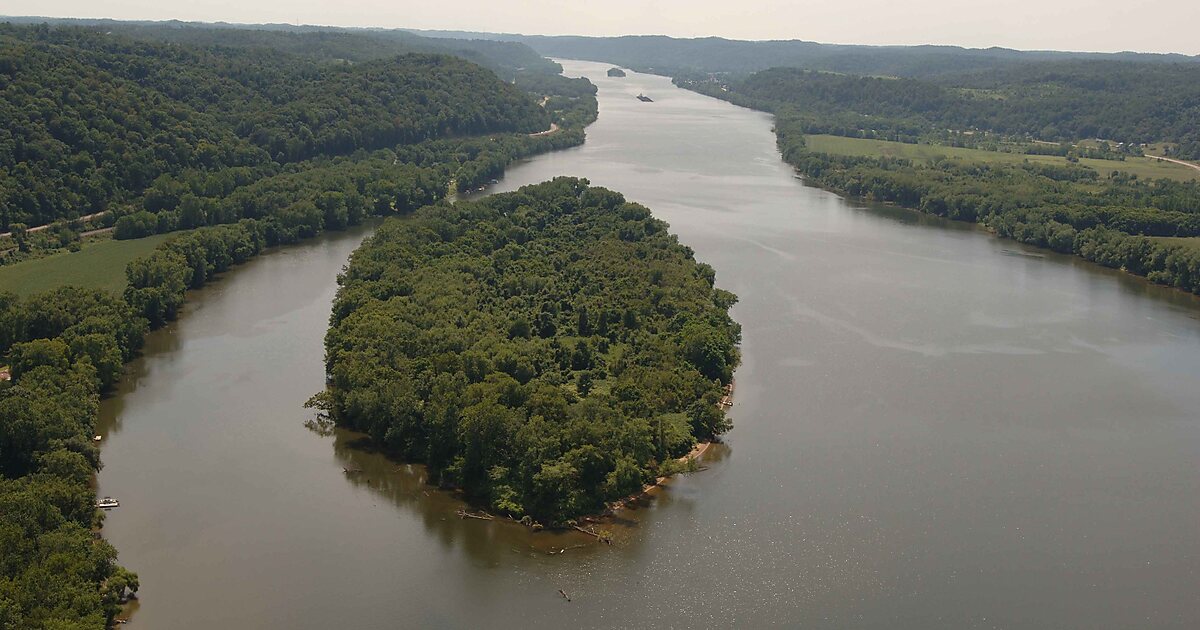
{"x": 645, "y": 99}
{"x": 108, "y": 503}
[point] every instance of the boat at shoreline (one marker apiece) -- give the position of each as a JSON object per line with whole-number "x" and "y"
{"x": 108, "y": 503}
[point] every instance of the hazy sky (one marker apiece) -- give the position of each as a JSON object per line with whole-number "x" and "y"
{"x": 1094, "y": 25}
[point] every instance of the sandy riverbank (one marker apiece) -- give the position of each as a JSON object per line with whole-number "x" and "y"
{"x": 614, "y": 508}
{"x": 697, "y": 451}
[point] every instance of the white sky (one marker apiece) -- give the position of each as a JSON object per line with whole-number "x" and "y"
{"x": 1081, "y": 25}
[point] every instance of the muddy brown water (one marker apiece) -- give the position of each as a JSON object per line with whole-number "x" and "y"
{"x": 934, "y": 428}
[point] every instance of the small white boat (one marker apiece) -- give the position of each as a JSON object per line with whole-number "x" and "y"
{"x": 96, "y": 438}
{"x": 108, "y": 503}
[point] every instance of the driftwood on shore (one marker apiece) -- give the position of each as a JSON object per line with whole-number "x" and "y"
{"x": 483, "y": 516}
{"x": 601, "y": 535}
{"x": 565, "y": 550}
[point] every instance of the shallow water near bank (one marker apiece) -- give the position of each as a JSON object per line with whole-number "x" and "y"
{"x": 933, "y": 429}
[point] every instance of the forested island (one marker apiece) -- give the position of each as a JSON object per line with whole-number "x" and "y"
{"x": 240, "y": 140}
{"x": 546, "y": 351}
{"x": 984, "y": 159}
{"x": 616, "y": 72}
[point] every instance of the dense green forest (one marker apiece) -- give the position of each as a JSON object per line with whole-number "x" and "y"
{"x": 1109, "y": 218}
{"x": 94, "y": 119}
{"x": 546, "y": 350}
{"x": 150, "y": 137}
{"x": 1131, "y": 103}
{"x": 65, "y": 347}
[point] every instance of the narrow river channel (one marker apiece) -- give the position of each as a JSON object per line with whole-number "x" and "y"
{"x": 933, "y": 428}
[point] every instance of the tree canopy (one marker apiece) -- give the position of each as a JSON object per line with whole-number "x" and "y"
{"x": 95, "y": 119}
{"x": 546, "y": 350}
{"x": 64, "y": 348}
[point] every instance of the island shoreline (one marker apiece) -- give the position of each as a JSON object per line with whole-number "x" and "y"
{"x": 612, "y": 509}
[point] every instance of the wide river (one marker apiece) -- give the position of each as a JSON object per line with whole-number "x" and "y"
{"x": 934, "y": 429}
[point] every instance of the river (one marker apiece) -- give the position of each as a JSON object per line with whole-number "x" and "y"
{"x": 933, "y": 428}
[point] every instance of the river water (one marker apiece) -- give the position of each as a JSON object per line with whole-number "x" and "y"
{"x": 934, "y": 428}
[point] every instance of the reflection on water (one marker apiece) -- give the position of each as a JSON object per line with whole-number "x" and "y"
{"x": 929, "y": 432}
{"x": 406, "y": 485}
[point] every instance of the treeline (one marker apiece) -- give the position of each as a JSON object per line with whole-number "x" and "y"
{"x": 475, "y": 162}
{"x": 157, "y": 283}
{"x": 547, "y": 350}
{"x": 300, "y": 200}
{"x": 94, "y": 119}
{"x": 1055, "y": 101}
{"x": 295, "y": 203}
{"x": 64, "y": 348}
{"x": 555, "y": 84}
{"x": 1066, "y": 209}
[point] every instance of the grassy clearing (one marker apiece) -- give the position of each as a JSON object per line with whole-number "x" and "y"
{"x": 99, "y": 265}
{"x": 1192, "y": 241}
{"x": 1145, "y": 168}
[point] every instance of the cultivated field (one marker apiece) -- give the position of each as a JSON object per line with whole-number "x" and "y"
{"x": 98, "y": 265}
{"x": 1193, "y": 242}
{"x": 1146, "y": 168}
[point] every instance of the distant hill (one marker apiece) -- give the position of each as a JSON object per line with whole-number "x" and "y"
{"x": 93, "y": 117}
{"x": 1060, "y": 101}
{"x": 676, "y": 56}
{"x": 505, "y": 58}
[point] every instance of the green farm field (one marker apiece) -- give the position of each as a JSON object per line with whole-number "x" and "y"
{"x": 99, "y": 265}
{"x": 1145, "y": 168}
{"x": 1191, "y": 241}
